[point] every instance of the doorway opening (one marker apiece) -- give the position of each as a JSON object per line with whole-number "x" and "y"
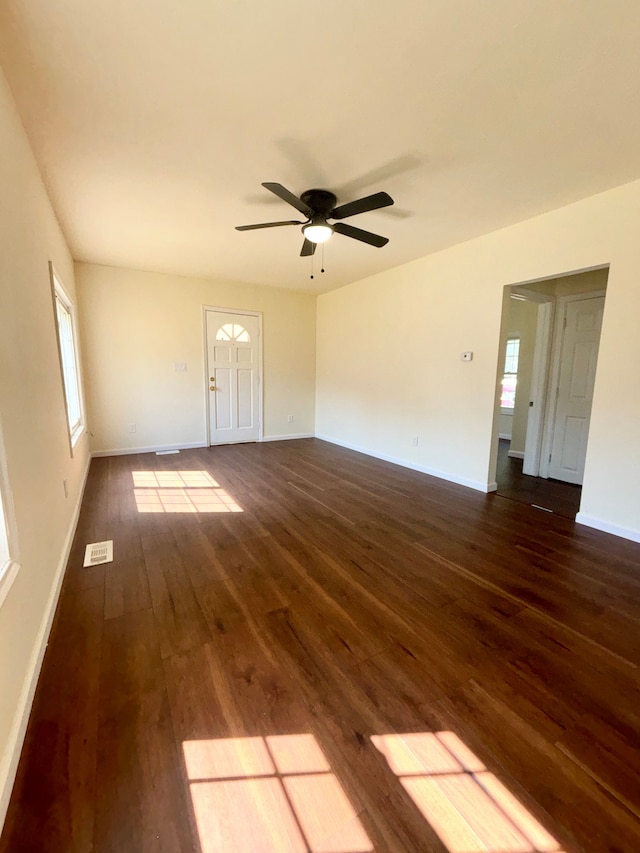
{"x": 549, "y": 340}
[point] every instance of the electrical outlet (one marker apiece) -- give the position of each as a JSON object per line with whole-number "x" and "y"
{"x": 132, "y": 427}
{"x": 290, "y": 419}
{"x": 414, "y": 441}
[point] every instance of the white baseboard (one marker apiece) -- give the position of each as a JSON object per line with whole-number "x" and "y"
{"x": 287, "y": 437}
{"x": 492, "y": 487}
{"x": 126, "y": 451}
{"x": 11, "y": 757}
{"x": 606, "y": 527}
{"x": 506, "y": 436}
{"x": 441, "y": 475}
{"x": 516, "y": 454}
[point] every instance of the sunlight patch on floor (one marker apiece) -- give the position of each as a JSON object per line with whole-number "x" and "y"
{"x": 180, "y": 491}
{"x": 468, "y": 807}
{"x": 274, "y": 795}
{"x": 173, "y": 479}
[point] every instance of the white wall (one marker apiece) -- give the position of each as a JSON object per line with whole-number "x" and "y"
{"x": 32, "y": 413}
{"x": 135, "y": 325}
{"x": 388, "y": 352}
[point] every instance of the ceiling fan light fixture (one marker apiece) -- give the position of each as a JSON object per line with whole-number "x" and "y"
{"x": 318, "y": 205}
{"x": 317, "y": 232}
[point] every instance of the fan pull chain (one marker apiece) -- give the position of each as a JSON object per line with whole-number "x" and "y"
{"x": 322, "y": 261}
{"x": 311, "y": 276}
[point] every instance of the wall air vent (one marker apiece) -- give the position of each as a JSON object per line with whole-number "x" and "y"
{"x": 98, "y": 552}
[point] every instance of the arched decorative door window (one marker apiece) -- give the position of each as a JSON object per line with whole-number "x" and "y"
{"x": 233, "y": 332}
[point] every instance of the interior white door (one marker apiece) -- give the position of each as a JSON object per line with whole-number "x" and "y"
{"x": 233, "y": 371}
{"x": 578, "y": 359}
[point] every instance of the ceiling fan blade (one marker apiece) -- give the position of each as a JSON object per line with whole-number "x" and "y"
{"x": 308, "y": 248}
{"x": 359, "y": 234}
{"x": 289, "y": 197}
{"x": 267, "y": 225}
{"x": 362, "y": 205}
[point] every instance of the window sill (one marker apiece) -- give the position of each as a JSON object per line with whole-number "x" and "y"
{"x": 506, "y": 411}
{"x": 8, "y": 573}
{"x": 74, "y": 437}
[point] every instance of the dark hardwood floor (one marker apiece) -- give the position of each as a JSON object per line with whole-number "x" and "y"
{"x": 333, "y": 654}
{"x": 552, "y": 495}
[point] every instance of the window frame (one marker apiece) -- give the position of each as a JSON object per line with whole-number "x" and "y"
{"x": 61, "y": 297}
{"x": 509, "y": 410}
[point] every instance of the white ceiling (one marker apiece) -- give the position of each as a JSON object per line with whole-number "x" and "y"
{"x": 155, "y": 121}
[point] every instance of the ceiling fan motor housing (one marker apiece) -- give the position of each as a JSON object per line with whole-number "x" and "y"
{"x": 321, "y": 202}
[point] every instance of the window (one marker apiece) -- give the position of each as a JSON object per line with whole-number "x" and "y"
{"x": 233, "y": 332}
{"x": 67, "y": 347}
{"x": 8, "y": 567}
{"x": 8, "y": 545}
{"x": 4, "y": 539}
{"x": 510, "y": 377}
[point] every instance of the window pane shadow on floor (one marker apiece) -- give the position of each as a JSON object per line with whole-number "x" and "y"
{"x": 278, "y": 793}
{"x": 270, "y": 794}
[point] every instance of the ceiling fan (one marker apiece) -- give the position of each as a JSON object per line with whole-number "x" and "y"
{"x": 319, "y": 206}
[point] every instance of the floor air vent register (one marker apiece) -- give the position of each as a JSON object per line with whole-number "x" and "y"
{"x": 97, "y": 553}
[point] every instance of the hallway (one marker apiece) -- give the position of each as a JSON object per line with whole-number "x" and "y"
{"x": 552, "y": 495}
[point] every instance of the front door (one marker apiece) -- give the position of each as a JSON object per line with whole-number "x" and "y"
{"x": 233, "y": 372}
{"x": 578, "y": 359}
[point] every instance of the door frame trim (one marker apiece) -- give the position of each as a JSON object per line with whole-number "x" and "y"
{"x": 205, "y": 365}
{"x": 554, "y": 374}
{"x": 538, "y": 391}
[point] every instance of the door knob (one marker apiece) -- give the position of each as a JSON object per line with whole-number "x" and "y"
{"x": 212, "y": 387}
{"x": 212, "y": 379}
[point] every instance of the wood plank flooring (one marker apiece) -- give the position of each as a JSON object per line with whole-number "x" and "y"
{"x": 300, "y": 648}
{"x": 553, "y": 495}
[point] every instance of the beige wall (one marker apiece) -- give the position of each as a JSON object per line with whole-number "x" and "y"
{"x": 32, "y": 413}
{"x": 587, "y": 282}
{"x": 136, "y": 325}
{"x": 389, "y": 352}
